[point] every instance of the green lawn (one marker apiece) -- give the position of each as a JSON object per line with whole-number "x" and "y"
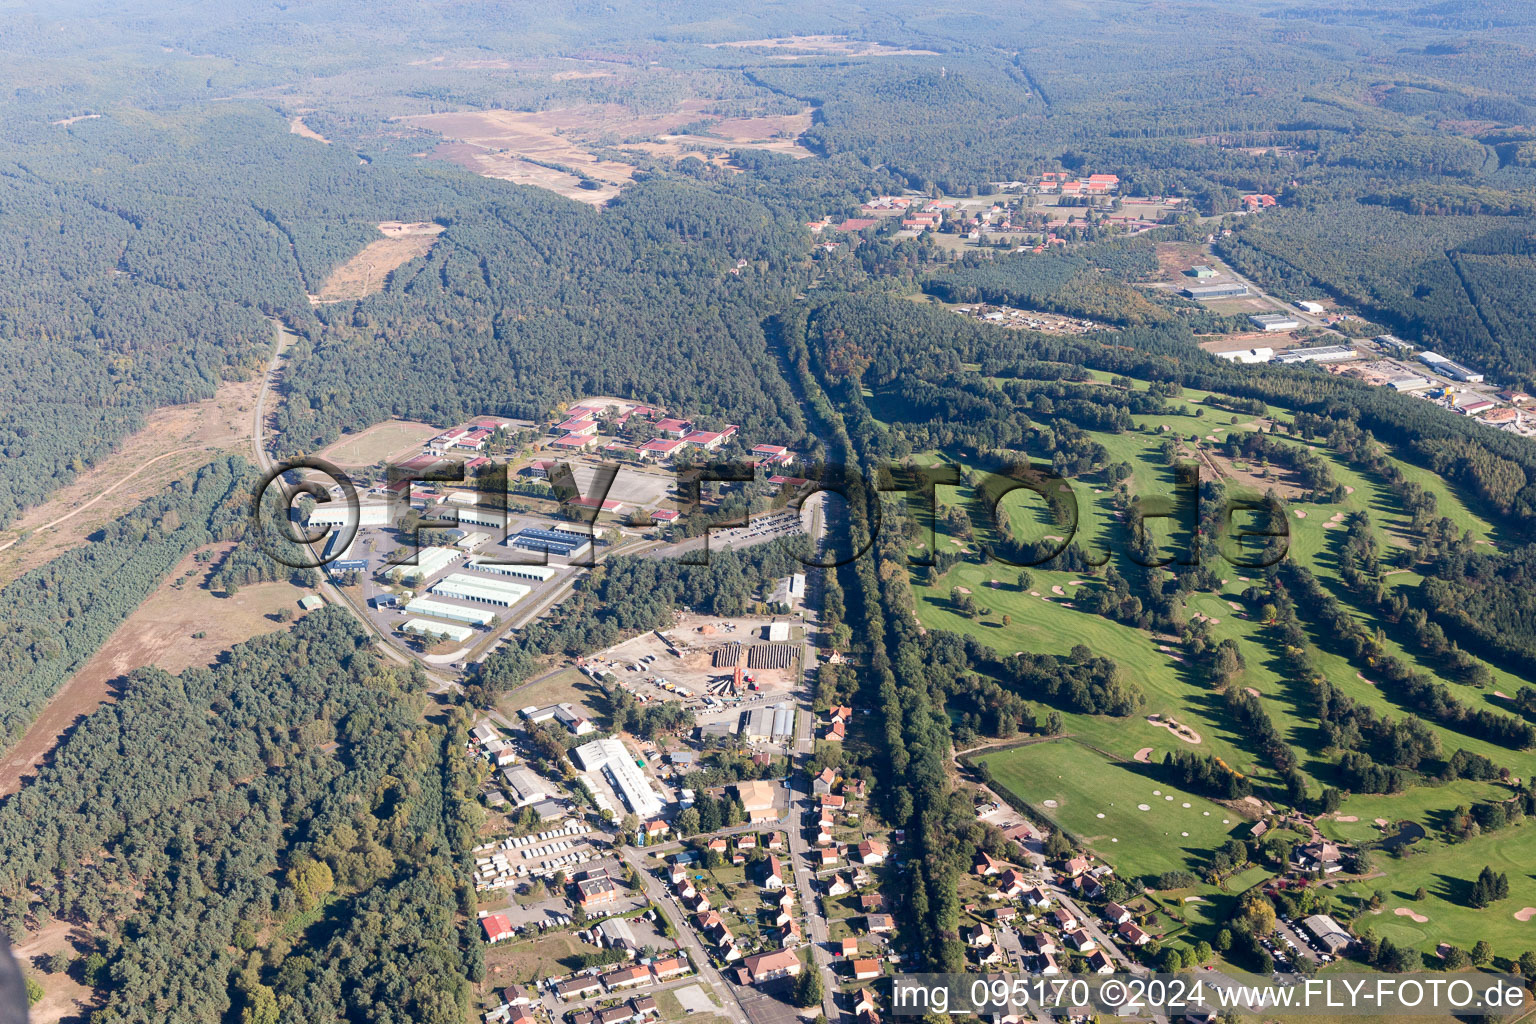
{"x": 1084, "y": 785}
{"x": 1446, "y": 873}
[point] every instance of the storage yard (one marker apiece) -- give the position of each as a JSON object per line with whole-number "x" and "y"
{"x": 699, "y": 659}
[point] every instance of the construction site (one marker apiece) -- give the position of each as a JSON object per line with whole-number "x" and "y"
{"x": 705, "y": 659}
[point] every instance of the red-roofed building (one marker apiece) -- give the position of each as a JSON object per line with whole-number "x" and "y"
{"x": 659, "y": 449}
{"x": 474, "y": 440}
{"x": 1259, "y": 201}
{"x": 539, "y": 470}
{"x": 674, "y": 428}
{"x": 575, "y": 441}
{"x": 665, "y": 515}
{"x": 476, "y": 464}
{"x": 497, "y": 928}
{"x": 583, "y": 424}
{"x": 857, "y": 224}
{"x": 773, "y": 454}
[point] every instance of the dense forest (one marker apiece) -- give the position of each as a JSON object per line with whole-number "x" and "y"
{"x": 295, "y": 775}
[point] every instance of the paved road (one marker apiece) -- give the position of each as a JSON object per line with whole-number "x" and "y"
{"x": 656, "y": 892}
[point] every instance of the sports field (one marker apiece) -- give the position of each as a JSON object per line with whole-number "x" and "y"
{"x": 1132, "y": 821}
{"x": 381, "y": 442}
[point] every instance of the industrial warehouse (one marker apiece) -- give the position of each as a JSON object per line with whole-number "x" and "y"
{"x": 452, "y": 612}
{"x": 553, "y": 542}
{"x": 502, "y": 593}
{"x": 537, "y": 573}
{"x": 610, "y": 758}
{"x": 421, "y": 627}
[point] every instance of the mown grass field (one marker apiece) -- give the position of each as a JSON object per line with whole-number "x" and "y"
{"x": 1101, "y": 801}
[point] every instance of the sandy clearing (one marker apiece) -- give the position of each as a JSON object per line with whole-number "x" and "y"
{"x": 1252, "y": 692}
{"x": 158, "y": 633}
{"x": 1414, "y": 916}
{"x": 368, "y": 271}
{"x": 296, "y": 126}
{"x": 175, "y": 441}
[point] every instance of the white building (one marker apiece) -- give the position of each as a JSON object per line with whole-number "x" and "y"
{"x": 1315, "y": 308}
{"x": 421, "y": 627}
{"x": 502, "y": 593}
{"x": 617, "y": 764}
{"x": 429, "y": 562}
{"x": 537, "y": 573}
{"x": 337, "y": 514}
{"x": 1248, "y": 355}
{"x": 1274, "y": 322}
{"x": 452, "y": 612}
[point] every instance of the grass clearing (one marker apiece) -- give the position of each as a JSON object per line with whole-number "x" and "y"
{"x": 1084, "y": 785}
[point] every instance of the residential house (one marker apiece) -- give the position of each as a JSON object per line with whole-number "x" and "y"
{"x": 1099, "y": 963}
{"x": 1080, "y": 940}
{"x": 1131, "y": 932}
{"x": 865, "y": 970}
{"x": 823, "y": 783}
{"x": 763, "y": 967}
{"x": 1064, "y": 919}
{"x": 879, "y": 924}
{"x": 986, "y": 865}
{"x": 1114, "y": 913}
{"x": 773, "y": 873}
{"x": 871, "y": 851}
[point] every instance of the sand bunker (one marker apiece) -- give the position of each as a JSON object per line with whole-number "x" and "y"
{"x": 962, "y": 590}
{"x": 1099, "y": 815}
{"x": 1348, "y": 489}
{"x": 1185, "y": 806}
{"x": 1525, "y": 913}
{"x": 1345, "y": 817}
{"x": 1053, "y": 537}
{"x": 1184, "y": 834}
{"x": 1382, "y": 822}
{"x": 1034, "y": 593}
{"x": 1365, "y": 680}
{"x": 1183, "y": 732}
{"x": 1234, "y": 606}
{"x": 1049, "y": 803}
{"x": 1143, "y": 807}
{"x": 1501, "y": 696}
{"x": 1415, "y": 917}
{"x": 1144, "y": 755}
{"x": 1300, "y": 514}
{"x": 1055, "y": 589}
